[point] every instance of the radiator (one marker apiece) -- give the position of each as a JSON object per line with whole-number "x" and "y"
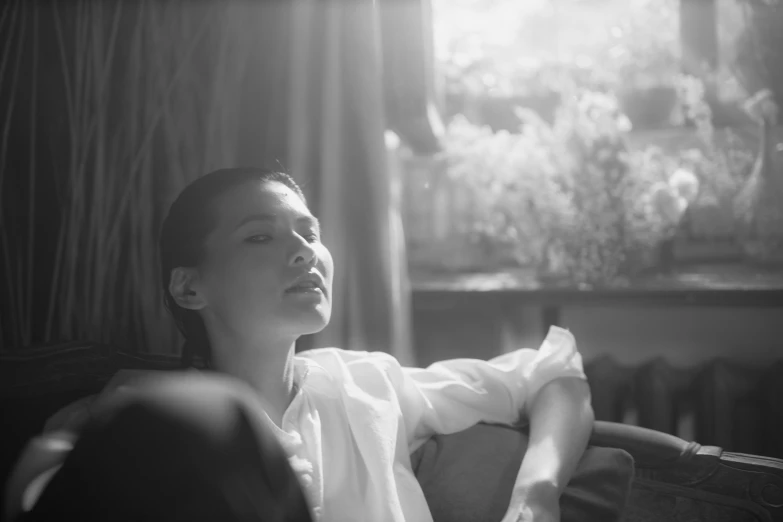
{"x": 721, "y": 403}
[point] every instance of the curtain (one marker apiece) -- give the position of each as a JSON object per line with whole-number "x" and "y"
{"x": 132, "y": 101}
{"x": 412, "y": 100}
{"x": 337, "y": 149}
{"x": 112, "y": 107}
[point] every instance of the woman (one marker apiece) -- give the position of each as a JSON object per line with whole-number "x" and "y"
{"x": 245, "y": 274}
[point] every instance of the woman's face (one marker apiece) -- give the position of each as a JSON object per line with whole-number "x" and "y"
{"x": 265, "y": 270}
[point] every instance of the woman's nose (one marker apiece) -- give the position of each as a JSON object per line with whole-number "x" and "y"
{"x": 304, "y": 253}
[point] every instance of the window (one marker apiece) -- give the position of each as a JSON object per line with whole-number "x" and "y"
{"x": 583, "y": 136}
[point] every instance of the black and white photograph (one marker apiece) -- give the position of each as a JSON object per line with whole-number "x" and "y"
{"x": 391, "y": 260}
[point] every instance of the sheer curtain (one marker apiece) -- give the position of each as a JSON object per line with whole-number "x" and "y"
{"x": 336, "y": 147}
{"x": 319, "y": 95}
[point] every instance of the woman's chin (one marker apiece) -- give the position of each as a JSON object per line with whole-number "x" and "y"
{"x": 312, "y": 321}
{"x": 317, "y": 326}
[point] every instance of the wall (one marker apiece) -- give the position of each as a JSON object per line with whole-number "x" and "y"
{"x": 685, "y": 336}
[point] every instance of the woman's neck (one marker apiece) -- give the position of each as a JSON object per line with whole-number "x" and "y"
{"x": 266, "y": 367}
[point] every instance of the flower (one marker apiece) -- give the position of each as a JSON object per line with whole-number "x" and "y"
{"x": 624, "y": 123}
{"x": 685, "y": 184}
{"x": 667, "y": 203}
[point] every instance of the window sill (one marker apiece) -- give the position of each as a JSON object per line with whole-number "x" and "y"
{"x": 732, "y": 285}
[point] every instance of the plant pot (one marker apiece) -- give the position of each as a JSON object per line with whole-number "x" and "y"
{"x": 649, "y": 107}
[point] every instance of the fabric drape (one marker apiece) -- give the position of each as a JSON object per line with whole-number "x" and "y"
{"x": 181, "y": 88}
{"x": 337, "y": 150}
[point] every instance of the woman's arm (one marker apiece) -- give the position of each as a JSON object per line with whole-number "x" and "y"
{"x": 452, "y": 395}
{"x": 561, "y": 420}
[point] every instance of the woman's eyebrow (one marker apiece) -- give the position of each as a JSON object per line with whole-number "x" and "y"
{"x": 256, "y": 217}
{"x": 311, "y": 221}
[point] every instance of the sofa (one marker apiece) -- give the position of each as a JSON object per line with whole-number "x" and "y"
{"x": 675, "y": 479}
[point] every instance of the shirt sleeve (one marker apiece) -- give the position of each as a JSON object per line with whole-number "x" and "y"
{"x": 453, "y": 395}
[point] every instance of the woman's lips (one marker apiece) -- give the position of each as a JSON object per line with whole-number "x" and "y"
{"x": 301, "y": 289}
{"x": 310, "y": 282}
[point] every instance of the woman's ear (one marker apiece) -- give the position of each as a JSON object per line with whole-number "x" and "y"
{"x": 184, "y": 290}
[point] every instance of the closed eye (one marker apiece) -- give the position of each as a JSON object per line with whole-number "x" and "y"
{"x": 259, "y": 238}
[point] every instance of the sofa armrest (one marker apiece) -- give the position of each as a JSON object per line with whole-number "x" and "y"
{"x": 649, "y": 448}
{"x": 676, "y": 479}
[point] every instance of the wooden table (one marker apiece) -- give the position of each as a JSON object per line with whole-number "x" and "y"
{"x": 726, "y": 285}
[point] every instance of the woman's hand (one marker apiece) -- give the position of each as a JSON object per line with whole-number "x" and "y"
{"x": 534, "y": 503}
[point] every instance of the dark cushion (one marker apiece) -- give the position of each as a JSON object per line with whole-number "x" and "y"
{"x": 468, "y": 477}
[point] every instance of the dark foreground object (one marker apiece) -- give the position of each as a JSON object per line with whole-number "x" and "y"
{"x": 183, "y": 449}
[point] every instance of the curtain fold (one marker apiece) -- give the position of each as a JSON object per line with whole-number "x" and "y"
{"x": 409, "y": 77}
{"x": 337, "y": 149}
{"x": 113, "y": 107}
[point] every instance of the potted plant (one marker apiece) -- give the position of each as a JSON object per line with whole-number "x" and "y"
{"x": 567, "y": 198}
{"x": 622, "y": 204}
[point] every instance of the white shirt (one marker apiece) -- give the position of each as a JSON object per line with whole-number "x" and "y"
{"x": 357, "y": 417}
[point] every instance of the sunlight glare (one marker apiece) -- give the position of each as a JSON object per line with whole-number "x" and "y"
{"x": 496, "y": 25}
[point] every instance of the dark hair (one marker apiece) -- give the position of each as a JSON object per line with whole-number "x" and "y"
{"x": 188, "y": 223}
